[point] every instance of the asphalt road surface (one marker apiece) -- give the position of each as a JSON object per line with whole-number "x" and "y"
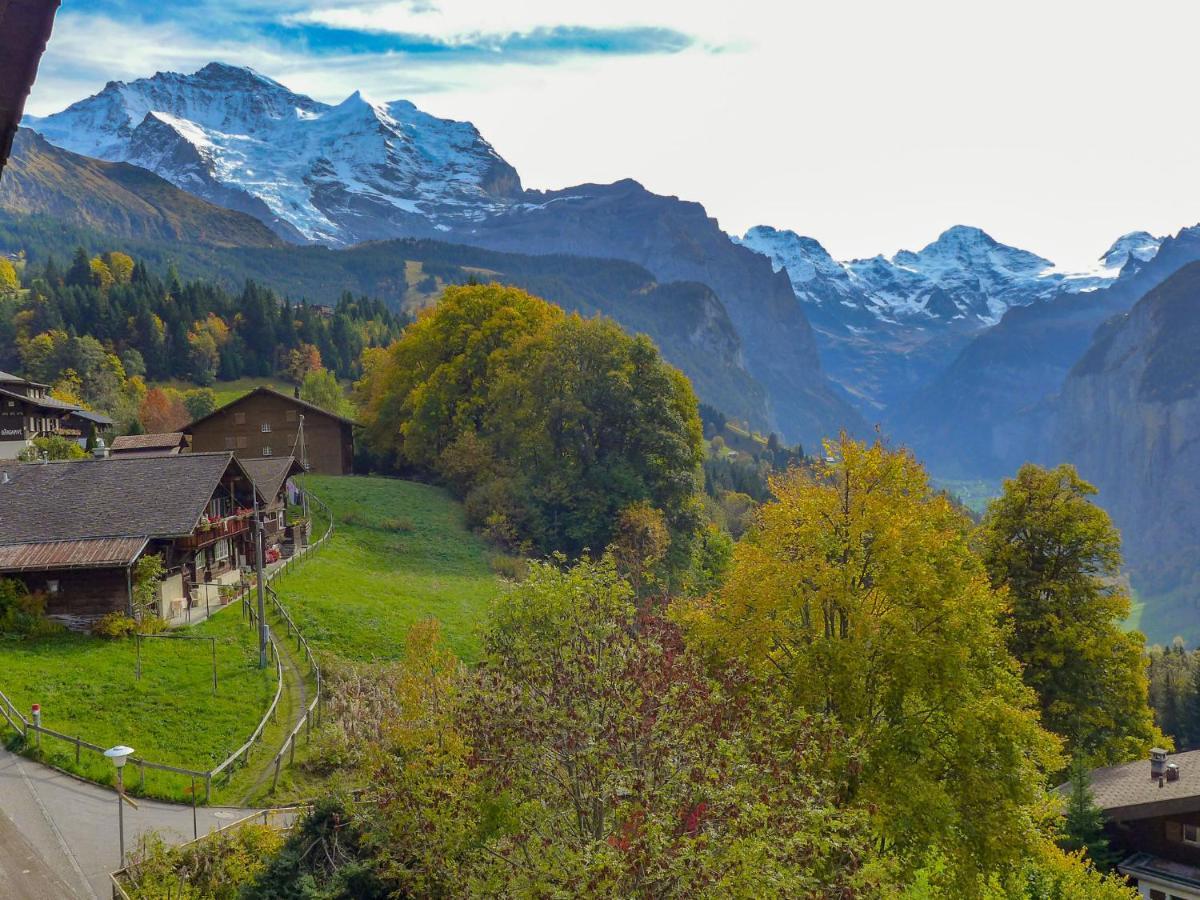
{"x": 58, "y": 835}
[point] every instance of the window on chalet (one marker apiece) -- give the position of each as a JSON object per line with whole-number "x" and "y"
{"x": 266, "y": 427}
{"x": 239, "y": 418}
{"x": 230, "y": 442}
{"x": 1191, "y": 835}
{"x": 221, "y": 550}
{"x": 290, "y": 415}
{"x": 266, "y": 451}
{"x": 241, "y": 442}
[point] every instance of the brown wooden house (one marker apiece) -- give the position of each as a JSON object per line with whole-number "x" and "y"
{"x": 27, "y": 411}
{"x": 1152, "y": 810}
{"x": 267, "y": 423}
{"x": 74, "y": 530}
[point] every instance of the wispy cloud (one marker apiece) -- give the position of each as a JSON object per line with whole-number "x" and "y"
{"x": 539, "y": 45}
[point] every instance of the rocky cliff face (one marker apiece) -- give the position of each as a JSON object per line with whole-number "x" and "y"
{"x": 1129, "y": 418}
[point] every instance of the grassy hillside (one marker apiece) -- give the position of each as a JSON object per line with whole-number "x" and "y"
{"x": 86, "y": 687}
{"x": 401, "y": 553}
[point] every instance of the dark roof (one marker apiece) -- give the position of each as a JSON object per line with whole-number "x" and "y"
{"x": 1129, "y": 792}
{"x": 92, "y": 416}
{"x": 41, "y": 402}
{"x": 24, "y": 29}
{"x": 1149, "y": 866}
{"x": 303, "y": 404}
{"x": 270, "y": 472}
{"x": 94, "y": 553}
{"x": 122, "y": 496}
{"x": 162, "y": 441}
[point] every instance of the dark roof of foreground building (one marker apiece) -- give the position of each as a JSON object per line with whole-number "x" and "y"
{"x": 303, "y": 404}
{"x": 270, "y": 472}
{"x": 1129, "y": 792}
{"x": 147, "y": 496}
{"x": 24, "y": 29}
{"x": 161, "y": 441}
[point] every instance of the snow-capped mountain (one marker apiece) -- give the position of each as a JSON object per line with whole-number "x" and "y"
{"x": 335, "y": 174}
{"x": 886, "y": 325}
{"x": 964, "y": 275}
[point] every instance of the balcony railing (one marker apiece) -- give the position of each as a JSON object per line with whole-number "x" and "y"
{"x": 213, "y": 531}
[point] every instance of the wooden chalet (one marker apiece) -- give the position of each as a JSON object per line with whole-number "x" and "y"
{"x": 1152, "y": 811}
{"x": 24, "y": 30}
{"x": 27, "y": 411}
{"x": 266, "y": 423}
{"x": 75, "y": 530}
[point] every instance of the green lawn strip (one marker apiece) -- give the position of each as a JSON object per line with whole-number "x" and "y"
{"x": 401, "y": 553}
{"x": 86, "y": 687}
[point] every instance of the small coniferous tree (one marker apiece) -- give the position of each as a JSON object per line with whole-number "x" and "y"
{"x": 1083, "y": 824}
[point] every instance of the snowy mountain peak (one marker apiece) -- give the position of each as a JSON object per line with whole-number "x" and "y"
{"x": 1139, "y": 245}
{"x": 356, "y": 171}
{"x": 965, "y": 277}
{"x": 802, "y": 257}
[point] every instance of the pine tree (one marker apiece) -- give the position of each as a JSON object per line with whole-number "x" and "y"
{"x": 1083, "y": 824}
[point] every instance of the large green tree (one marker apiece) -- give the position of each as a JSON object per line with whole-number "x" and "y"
{"x": 857, "y": 595}
{"x": 1058, "y": 556}
{"x": 549, "y": 425}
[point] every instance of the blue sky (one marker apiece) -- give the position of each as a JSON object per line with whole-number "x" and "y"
{"x": 871, "y": 125}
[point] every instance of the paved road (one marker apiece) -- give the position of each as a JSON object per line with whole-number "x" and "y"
{"x": 58, "y": 835}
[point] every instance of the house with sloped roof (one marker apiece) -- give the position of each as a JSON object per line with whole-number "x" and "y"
{"x": 27, "y": 411}
{"x": 74, "y": 530}
{"x": 266, "y": 423}
{"x": 1152, "y": 813}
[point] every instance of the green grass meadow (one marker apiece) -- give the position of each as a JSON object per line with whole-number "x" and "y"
{"x": 87, "y": 688}
{"x": 401, "y": 553}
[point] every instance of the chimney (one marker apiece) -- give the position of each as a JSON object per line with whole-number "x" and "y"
{"x": 100, "y": 451}
{"x": 296, "y": 392}
{"x": 1172, "y": 772}
{"x": 1158, "y": 762}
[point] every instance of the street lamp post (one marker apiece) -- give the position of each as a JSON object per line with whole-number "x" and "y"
{"x": 119, "y": 755}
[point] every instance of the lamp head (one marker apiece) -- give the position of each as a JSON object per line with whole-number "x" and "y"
{"x": 119, "y": 754}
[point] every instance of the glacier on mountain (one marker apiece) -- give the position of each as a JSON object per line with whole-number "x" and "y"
{"x": 358, "y": 170}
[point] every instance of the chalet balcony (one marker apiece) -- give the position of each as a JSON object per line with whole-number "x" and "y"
{"x": 213, "y": 531}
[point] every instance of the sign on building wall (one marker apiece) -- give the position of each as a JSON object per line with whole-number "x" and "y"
{"x": 12, "y": 428}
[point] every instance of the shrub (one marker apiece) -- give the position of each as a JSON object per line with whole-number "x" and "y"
{"x": 23, "y": 612}
{"x": 114, "y": 625}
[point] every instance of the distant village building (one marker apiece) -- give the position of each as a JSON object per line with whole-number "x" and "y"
{"x": 27, "y": 411}
{"x": 1152, "y": 808}
{"x": 267, "y": 422}
{"x": 74, "y": 530}
{"x": 169, "y": 444}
